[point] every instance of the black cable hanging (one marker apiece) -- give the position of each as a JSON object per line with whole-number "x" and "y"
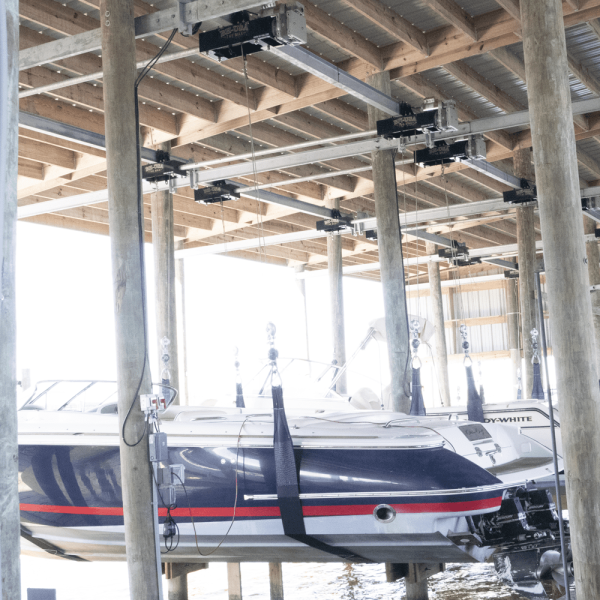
{"x": 286, "y": 471}
{"x": 537, "y": 390}
{"x": 140, "y": 208}
{"x": 417, "y": 404}
{"x": 474, "y": 404}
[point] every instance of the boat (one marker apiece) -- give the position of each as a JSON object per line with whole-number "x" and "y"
{"x": 374, "y": 486}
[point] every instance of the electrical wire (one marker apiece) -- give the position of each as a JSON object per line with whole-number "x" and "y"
{"x": 140, "y": 215}
{"x": 234, "y": 503}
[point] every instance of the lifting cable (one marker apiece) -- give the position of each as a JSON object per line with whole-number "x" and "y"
{"x": 259, "y": 212}
{"x": 474, "y": 404}
{"x": 286, "y": 471}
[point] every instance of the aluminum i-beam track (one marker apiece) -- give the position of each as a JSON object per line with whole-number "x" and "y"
{"x": 82, "y": 136}
{"x": 91, "y": 41}
{"x": 311, "y": 63}
{"x": 367, "y": 146}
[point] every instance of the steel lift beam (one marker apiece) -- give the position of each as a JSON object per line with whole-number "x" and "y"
{"x": 91, "y": 41}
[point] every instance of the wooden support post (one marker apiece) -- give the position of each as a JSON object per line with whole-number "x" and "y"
{"x": 437, "y": 303}
{"x": 178, "y": 588}
{"x": 557, "y": 181}
{"x": 234, "y": 581}
{"x": 512, "y": 322}
{"x": 523, "y": 168}
{"x": 10, "y": 577}
{"x": 176, "y": 574}
{"x": 184, "y": 397}
{"x": 390, "y": 259}
{"x": 416, "y": 579}
{"x": 336, "y": 299}
{"x": 127, "y": 236}
{"x": 276, "y": 581}
{"x": 163, "y": 243}
{"x": 301, "y": 285}
{"x": 593, "y": 266}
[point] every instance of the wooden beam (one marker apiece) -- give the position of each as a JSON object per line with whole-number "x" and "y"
{"x": 31, "y": 169}
{"x": 582, "y": 73}
{"x": 392, "y": 22}
{"x": 483, "y": 87}
{"x": 588, "y": 162}
{"x": 512, "y": 7}
{"x": 89, "y": 97}
{"x": 344, "y": 112}
{"x": 45, "y": 153}
{"x": 344, "y": 37}
{"x": 511, "y": 61}
{"x": 454, "y": 14}
{"x": 594, "y": 25}
{"x": 474, "y": 321}
{"x": 517, "y": 67}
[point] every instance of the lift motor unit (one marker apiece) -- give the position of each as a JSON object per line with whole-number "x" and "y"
{"x": 249, "y": 33}
{"x": 458, "y": 255}
{"x": 527, "y": 193}
{"x": 337, "y": 222}
{"x": 443, "y": 153}
{"x": 432, "y": 116}
{"x": 219, "y": 191}
{"x": 163, "y": 170}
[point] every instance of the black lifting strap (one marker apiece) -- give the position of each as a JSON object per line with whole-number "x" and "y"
{"x": 474, "y": 404}
{"x": 239, "y": 396}
{"x": 288, "y": 491}
{"x": 417, "y": 404}
{"x": 537, "y": 390}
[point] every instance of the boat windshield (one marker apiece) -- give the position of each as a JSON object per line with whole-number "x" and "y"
{"x": 80, "y": 396}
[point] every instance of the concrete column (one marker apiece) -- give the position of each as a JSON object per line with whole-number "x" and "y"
{"x": 184, "y": 396}
{"x": 301, "y": 285}
{"x": 163, "y": 244}
{"x": 390, "y": 259}
{"x": 557, "y": 181}
{"x": 10, "y": 576}
{"x": 234, "y": 581}
{"x": 593, "y": 267}
{"x": 126, "y": 235}
{"x": 526, "y": 242}
{"x": 437, "y": 304}
{"x": 336, "y": 299}
{"x": 276, "y": 581}
{"x": 512, "y": 322}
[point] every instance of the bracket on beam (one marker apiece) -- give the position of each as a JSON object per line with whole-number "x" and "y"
{"x": 248, "y": 33}
{"x": 591, "y": 207}
{"x": 442, "y": 153}
{"x": 432, "y": 116}
{"x": 337, "y": 223}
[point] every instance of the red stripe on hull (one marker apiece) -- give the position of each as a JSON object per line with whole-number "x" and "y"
{"x": 273, "y": 511}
